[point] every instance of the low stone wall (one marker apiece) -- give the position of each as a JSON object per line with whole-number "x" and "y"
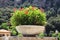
{"x": 27, "y": 38}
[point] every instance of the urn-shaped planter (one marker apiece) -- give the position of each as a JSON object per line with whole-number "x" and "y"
{"x": 30, "y": 29}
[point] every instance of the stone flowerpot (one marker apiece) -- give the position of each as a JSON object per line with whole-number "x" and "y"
{"x": 30, "y": 29}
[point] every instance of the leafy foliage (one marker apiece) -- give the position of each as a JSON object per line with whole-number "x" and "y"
{"x": 41, "y": 35}
{"x": 58, "y": 36}
{"x": 55, "y": 21}
{"x": 28, "y": 16}
{"x": 4, "y": 26}
{"x": 5, "y": 14}
{"x": 11, "y": 28}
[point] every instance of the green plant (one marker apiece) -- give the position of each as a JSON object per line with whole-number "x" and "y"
{"x": 41, "y": 35}
{"x": 55, "y": 22}
{"x": 54, "y": 34}
{"x": 5, "y": 14}
{"x": 50, "y": 13}
{"x": 10, "y": 28}
{"x": 13, "y": 31}
{"x": 58, "y": 36}
{"x": 19, "y": 35}
{"x": 28, "y": 16}
{"x": 4, "y": 26}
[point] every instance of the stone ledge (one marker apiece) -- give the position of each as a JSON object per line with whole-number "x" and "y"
{"x": 28, "y": 38}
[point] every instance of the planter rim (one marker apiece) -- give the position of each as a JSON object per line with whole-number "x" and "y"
{"x": 30, "y": 26}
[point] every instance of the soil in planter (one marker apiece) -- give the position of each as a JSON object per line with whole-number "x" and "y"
{"x": 29, "y": 35}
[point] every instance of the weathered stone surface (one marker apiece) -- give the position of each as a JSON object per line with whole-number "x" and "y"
{"x": 30, "y": 38}
{"x": 30, "y": 29}
{"x": 1, "y": 38}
